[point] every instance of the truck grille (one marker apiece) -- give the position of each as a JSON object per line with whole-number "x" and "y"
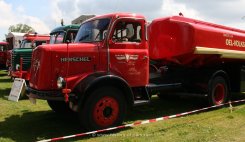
{"x": 26, "y": 59}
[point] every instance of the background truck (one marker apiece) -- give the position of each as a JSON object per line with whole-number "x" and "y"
{"x": 58, "y": 35}
{"x": 21, "y": 57}
{"x": 14, "y": 39}
{"x": 63, "y": 33}
{"x": 3, "y": 54}
{"x": 119, "y": 61}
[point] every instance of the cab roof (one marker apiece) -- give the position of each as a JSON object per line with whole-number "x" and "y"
{"x": 64, "y": 28}
{"x": 31, "y": 36}
{"x": 115, "y": 15}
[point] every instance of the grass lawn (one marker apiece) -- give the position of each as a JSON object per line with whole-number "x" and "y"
{"x": 23, "y": 121}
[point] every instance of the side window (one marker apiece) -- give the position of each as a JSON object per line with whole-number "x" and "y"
{"x": 127, "y": 32}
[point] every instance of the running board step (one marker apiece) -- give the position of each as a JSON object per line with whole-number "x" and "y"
{"x": 141, "y": 102}
{"x": 159, "y": 87}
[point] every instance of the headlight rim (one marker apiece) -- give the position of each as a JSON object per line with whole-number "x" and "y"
{"x": 17, "y": 67}
{"x": 60, "y": 82}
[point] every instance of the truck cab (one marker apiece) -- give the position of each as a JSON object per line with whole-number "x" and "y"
{"x": 109, "y": 52}
{"x": 3, "y": 53}
{"x": 21, "y": 57}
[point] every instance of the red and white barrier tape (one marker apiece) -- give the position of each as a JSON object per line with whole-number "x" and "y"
{"x": 140, "y": 122}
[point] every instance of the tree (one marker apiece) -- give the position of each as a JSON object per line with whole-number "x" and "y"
{"x": 21, "y": 28}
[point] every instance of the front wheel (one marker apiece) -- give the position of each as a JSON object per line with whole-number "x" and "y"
{"x": 218, "y": 91}
{"x": 105, "y": 107}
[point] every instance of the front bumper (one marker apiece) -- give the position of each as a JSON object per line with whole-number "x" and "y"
{"x": 55, "y": 95}
{"x": 21, "y": 74}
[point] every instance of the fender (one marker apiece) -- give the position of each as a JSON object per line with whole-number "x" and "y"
{"x": 92, "y": 81}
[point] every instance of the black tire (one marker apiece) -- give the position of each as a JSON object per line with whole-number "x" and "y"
{"x": 60, "y": 107}
{"x": 217, "y": 91}
{"x": 105, "y": 107}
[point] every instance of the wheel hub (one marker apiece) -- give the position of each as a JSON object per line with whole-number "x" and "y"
{"x": 219, "y": 93}
{"x": 106, "y": 111}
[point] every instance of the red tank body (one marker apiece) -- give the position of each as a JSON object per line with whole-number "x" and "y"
{"x": 187, "y": 41}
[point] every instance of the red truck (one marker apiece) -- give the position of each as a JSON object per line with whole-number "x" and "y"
{"x": 21, "y": 57}
{"x": 3, "y": 53}
{"x": 119, "y": 61}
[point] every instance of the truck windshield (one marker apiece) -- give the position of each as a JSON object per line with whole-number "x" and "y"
{"x": 25, "y": 44}
{"x": 29, "y": 44}
{"x": 63, "y": 36}
{"x": 56, "y": 38}
{"x": 93, "y": 31}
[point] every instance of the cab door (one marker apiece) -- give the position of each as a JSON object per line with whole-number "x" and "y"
{"x": 129, "y": 51}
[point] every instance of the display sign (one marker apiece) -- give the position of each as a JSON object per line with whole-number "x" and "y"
{"x": 16, "y": 90}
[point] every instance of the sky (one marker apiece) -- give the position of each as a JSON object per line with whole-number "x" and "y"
{"x": 45, "y": 15}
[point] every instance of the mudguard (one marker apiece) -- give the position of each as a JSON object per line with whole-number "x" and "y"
{"x": 84, "y": 88}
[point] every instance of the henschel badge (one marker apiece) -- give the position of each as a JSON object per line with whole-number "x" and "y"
{"x": 76, "y": 59}
{"x": 127, "y": 57}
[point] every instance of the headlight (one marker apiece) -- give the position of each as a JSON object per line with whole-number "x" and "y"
{"x": 61, "y": 82}
{"x": 17, "y": 67}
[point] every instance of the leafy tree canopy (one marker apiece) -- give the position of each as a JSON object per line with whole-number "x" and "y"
{"x": 21, "y": 28}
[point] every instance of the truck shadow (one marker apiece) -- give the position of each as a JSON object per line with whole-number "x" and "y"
{"x": 5, "y": 80}
{"x": 165, "y": 107}
{"x": 3, "y": 92}
{"x": 3, "y": 74}
{"x": 33, "y": 126}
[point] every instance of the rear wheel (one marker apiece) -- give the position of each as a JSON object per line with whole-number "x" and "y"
{"x": 218, "y": 91}
{"x": 59, "y": 106}
{"x": 105, "y": 107}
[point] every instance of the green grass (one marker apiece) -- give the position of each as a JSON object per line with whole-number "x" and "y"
{"x": 23, "y": 121}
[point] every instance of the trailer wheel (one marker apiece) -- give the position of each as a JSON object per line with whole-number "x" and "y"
{"x": 218, "y": 91}
{"x": 59, "y": 106}
{"x": 105, "y": 107}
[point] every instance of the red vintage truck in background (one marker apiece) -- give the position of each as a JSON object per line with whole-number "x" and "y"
{"x": 118, "y": 61}
{"x": 21, "y": 57}
{"x": 3, "y": 53}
